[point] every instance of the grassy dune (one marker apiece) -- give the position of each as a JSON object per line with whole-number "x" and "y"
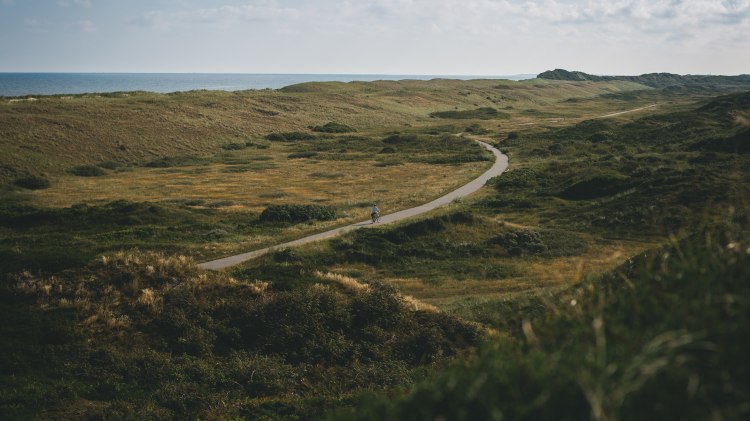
{"x": 109, "y": 200}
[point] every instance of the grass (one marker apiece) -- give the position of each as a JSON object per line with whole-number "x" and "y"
{"x": 144, "y": 334}
{"x": 149, "y": 335}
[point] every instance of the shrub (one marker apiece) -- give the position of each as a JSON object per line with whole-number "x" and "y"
{"x": 476, "y": 129}
{"x": 87, "y": 171}
{"x": 32, "y": 182}
{"x": 290, "y": 136}
{"x": 400, "y": 138}
{"x": 109, "y": 165}
{"x": 387, "y": 149}
{"x": 596, "y": 186}
{"x": 233, "y": 146}
{"x": 546, "y": 243}
{"x": 298, "y": 213}
{"x": 484, "y": 113}
{"x": 305, "y": 154}
{"x": 333, "y": 128}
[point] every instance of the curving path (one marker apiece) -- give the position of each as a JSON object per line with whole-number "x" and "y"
{"x": 501, "y": 163}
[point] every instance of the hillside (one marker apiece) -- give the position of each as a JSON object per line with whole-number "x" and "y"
{"x": 50, "y": 135}
{"x": 602, "y": 276}
{"x": 656, "y": 80}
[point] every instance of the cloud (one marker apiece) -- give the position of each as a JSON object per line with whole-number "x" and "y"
{"x": 223, "y": 16}
{"x": 86, "y": 25}
{"x": 69, "y": 3}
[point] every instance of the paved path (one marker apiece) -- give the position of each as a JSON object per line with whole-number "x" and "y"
{"x": 501, "y": 163}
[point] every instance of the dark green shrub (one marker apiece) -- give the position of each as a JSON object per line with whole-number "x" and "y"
{"x": 305, "y": 154}
{"x": 32, "y": 182}
{"x": 520, "y": 242}
{"x": 87, "y": 171}
{"x": 387, "y": 149}
{"x": 400, "y": 138}
{"x": 596, "y": 186}
{"x": 546, "y": 243}
{"x": 333, "y": 128}
{"x": 233, "y": 146}
{"x": 290, "y": 136}
{"x": 109, "y": 165}
{"x": 484, "y": 113}
{"x": 298, "y": 213}
{"x": 476, "y": 129}
{"x": 177, "y": 161}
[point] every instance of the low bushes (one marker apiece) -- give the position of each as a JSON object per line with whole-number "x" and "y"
{"x": 484, "y": 113}
{"x": 545, "y": 243}
{"x": 333, "y": 128}
{"x": 596, "y": 186}
{"x": 32, "y": 182}
{"x": 305, "y": 154}
{"x": 290, "y": 136}
{"x": 298, "y": 213}
{"x": 87, "y": 171}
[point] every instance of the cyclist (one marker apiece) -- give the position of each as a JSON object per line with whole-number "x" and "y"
{"x": 375, "y": 213}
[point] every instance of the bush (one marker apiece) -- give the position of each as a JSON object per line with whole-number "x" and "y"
{"x": 485, "y": 113}
{"x": 109, "y": 165}
{"x": 32, "y": 182}
{"x": 305, "y": 154}
{"x": 333, "y": 128}
{"x": 596, "y": 186}
{"x": 546, "y": 243}
{"x": 233, "y": 146}
{"x": 298, "y": 213}
{"x": 87, "y": 171}
{"x": 400, "y": 138}
{"x": 476, "y": 129}
{"x": 290, "y": 136}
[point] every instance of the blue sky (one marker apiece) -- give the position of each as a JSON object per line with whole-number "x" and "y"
{"x": 449, "y": 37}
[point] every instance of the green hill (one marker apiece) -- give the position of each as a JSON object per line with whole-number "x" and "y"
{"x": 655, "y": 80}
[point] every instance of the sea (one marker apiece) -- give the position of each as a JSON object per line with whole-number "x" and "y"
{"x": 28, "y": 84}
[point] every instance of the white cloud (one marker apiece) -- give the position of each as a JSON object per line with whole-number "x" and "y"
{"x": 86, "y": 25}
{"x": 223, "y": 16}
{"x": 69, "y": 3}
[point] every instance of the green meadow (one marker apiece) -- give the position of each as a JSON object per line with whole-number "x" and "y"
{"x": 603, "y": 275}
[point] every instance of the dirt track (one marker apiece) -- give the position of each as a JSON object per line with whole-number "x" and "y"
{"x": 501, "y": 163}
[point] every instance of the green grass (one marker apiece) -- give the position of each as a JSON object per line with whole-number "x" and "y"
{"x": 97, "y": 333}
{"x": 662, "y": 337}
{"x": 147, "y": 335}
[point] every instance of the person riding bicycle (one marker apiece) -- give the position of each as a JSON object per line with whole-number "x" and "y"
{"x": 375, "y": 213}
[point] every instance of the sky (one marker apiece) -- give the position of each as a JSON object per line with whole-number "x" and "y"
{"x": 399, "y": 37}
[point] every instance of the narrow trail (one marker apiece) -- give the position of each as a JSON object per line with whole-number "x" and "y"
{"x": 627, "y": 111}
{"x": 500, "y": 165}
{"x": 599, "y": 116}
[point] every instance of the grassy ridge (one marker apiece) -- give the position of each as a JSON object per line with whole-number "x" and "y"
{"x": 662, "y": 337}
{"x": 300, "y": 332}
{"x": 147, "y": 335}
{"x": 52, "y": 134}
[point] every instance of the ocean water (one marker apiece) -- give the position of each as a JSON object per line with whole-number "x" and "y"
{"x": 22, "y": 84}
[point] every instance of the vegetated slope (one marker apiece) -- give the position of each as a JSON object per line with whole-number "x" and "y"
{"x": 654, "y": 175}
{"x": 662, "y": 337}
{"x": 655, "y": 80}
{"x": 50, "y": 135}
{"x": 576, "y": 200}
{"x": 143, "y": 335}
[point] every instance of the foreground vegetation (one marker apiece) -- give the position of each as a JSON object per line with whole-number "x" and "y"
{"x": 514, "y": 303}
